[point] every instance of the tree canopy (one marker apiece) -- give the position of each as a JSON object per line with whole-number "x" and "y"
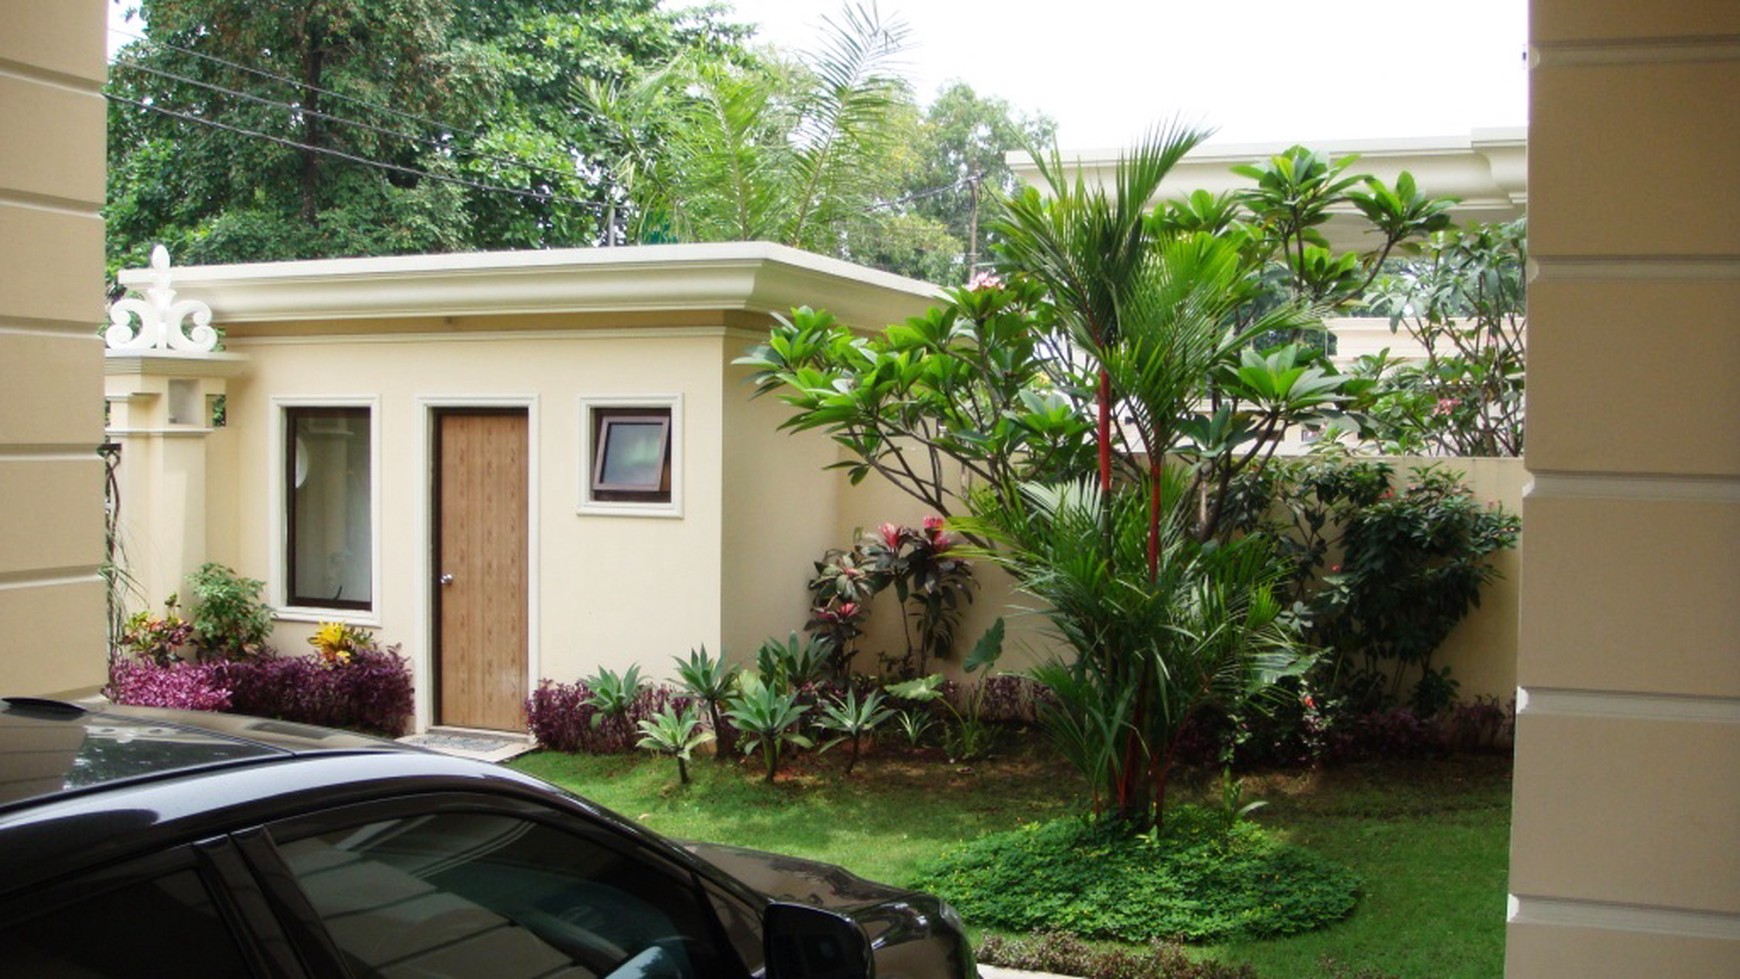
{"x": 315, "y": 128}
{"x": 324, "y": 128}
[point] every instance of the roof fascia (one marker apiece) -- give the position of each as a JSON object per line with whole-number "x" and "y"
{"x": 752, "y": 276}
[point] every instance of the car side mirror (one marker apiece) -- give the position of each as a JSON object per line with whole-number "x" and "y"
{"x": 804, "y": 942}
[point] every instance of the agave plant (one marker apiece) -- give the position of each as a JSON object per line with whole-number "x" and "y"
{"x": 853, "y": 719}
{"x": 795, "y": 662}
{"x": 767, "y": 718}
{"x": 611, "y": 695}
{"x": 711, "y": 680}
{"x": 676, "y": 734}
{"x": 915, "y": 725}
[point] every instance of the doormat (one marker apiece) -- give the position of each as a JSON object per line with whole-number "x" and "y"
{"x": 469, "y": 744}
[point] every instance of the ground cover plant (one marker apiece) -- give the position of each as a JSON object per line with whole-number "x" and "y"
{"x": 1206, "y": 876}
{"x": 1428, "y": 839}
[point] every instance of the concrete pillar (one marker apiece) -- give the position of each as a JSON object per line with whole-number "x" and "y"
{"x": 1625, "y": 845}
{"x": 51, "y": 265}
{"x": 160, "y": 413}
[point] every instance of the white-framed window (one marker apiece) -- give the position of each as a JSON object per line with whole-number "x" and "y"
{"x": 631, "y": 455}
{"x": 328, "y": 507}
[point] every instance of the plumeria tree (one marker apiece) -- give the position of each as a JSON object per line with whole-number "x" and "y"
{"x": 1463, "y": 301}
{"x": 1082, "y": 416}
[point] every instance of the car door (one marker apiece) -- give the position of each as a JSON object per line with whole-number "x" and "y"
{"x": 458, "y": 885}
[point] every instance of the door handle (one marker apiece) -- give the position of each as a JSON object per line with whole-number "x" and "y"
{"x": 446, "y": 579}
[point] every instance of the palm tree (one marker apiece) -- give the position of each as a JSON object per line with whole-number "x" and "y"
{"x": 778, "y": 150}
{"x": 1090, "y": 246}
{"x": 1151, "y": 645}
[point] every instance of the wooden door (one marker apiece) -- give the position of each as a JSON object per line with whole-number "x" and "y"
{"x": 481, "y": 578}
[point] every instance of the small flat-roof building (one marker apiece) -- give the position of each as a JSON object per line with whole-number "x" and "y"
{"x": 518, "y": 465}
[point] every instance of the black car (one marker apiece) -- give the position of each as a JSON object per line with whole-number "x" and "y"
{"x": 138, "y": 842}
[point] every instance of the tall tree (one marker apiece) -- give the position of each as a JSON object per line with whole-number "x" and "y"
{"x": 796, "y": 150}
{"x": 961, "y": 167}
{"x": 312, "y": 128}
{"x": 546, "y": 71}
{"x": 229, "y": 127}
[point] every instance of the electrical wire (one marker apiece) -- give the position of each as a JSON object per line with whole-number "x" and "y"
{"x": 546, "y": 198}
{"x": 343, "y": 121}
{"x": 383, "y": 131}
{"x": 287, "y": 80}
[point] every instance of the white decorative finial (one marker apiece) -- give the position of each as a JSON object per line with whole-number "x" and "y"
{"x": 160, "y": 316}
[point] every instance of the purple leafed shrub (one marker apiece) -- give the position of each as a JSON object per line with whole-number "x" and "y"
{"x": 1294, "y": 735}
{"x": 371, "y": 693}
{"x": 183, "y": 686}
{"x": 560, "y": 717}
{"x": 1008, "y": 698}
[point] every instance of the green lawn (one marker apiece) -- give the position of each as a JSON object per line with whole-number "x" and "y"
{"x": 1430, "y": 839}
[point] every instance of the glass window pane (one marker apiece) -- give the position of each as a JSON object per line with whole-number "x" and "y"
{"x": 481, "y": 894}
{"x": 167, "y": 927}
{"x": 331, "y": 540}
{"x": 634, "y": 453}
{"x": 631, "y": 449}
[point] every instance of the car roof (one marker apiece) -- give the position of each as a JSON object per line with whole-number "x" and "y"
{"x": 51, "y": 748}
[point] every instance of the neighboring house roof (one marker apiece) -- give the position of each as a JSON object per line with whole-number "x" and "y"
{"x": 755, "y": 277}
{"x": 1486, "y": 170}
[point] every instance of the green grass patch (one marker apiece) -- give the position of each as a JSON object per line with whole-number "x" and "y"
{"x": 1200, "y": 880}
{"x": 1428, "y": 839}
{"x": 891, "y": 815}
{"x": 1431, "y": 843}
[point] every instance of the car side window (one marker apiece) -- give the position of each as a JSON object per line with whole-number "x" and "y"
{"x": 164, "y": 927}
{"x": 485, "y": 894}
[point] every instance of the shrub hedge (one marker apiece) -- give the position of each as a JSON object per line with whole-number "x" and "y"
{"x": 369, "y": 693}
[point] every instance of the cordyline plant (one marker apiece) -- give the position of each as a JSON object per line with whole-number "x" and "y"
{"x": 932, "y": 580}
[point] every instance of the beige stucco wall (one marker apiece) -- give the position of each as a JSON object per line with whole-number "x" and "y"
{"x": 1625, "y": 845}
{"x": 607, "y": 590}
{"x": 51, "y": 246}
{"x": 781, "y": 509}
{"x": 1481, "y": 652}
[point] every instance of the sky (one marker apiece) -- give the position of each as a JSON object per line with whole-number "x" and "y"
{"x": 1256, "y": 70}
{"x": 1316, "y": 71}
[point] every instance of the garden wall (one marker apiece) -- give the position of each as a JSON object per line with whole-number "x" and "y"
{"x": 1481, "y": 652}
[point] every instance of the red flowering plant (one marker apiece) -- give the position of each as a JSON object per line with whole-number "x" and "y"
{"x": 840, "y": 591}
{"x": 933, "y": 583}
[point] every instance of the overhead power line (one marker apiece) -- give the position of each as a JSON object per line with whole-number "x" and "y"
{"x": 918, "y": 195}
{"x": 365, "y": 161}
{"x": 383, "y": 131}
{"x": 344, "y": 121}
{"x": 287, "y": 80}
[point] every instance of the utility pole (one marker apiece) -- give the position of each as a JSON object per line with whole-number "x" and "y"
{"x": 973, "y": 221}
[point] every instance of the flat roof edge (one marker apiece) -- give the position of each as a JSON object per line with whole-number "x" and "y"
{"x": 756, "y": 276}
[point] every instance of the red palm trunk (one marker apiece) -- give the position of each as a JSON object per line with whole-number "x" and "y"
{"x": 1105, "y": 431}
